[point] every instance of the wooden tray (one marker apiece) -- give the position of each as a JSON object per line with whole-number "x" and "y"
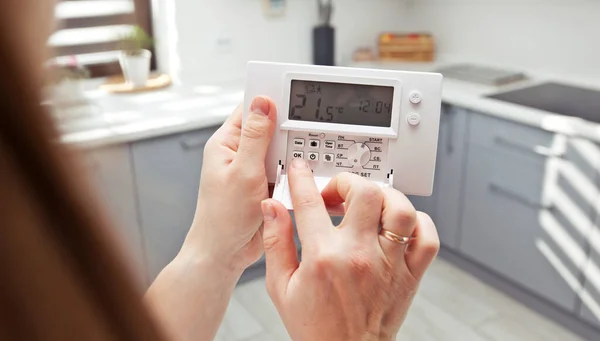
{"x": 407, "y": 56}
{"x": 406, "y": 47}
{"x": 116, "y": 84}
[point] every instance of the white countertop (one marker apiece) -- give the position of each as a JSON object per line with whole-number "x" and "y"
{"x": 125, "y": 118}
{"x": 119, "y": 118}
{"x": 472, "y": 96}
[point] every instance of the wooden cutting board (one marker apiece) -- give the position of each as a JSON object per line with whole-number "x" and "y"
{"x": 117, "y": 84}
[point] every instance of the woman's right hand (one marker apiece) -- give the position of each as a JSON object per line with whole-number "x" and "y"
{"x": 352, "y": 283}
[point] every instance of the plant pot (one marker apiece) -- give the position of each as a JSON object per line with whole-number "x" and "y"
{"x": 136, "y": 68}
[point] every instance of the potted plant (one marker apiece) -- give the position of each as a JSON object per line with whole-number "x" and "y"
{"x": 66, "y": 81}
{"x": 135, "y": 56}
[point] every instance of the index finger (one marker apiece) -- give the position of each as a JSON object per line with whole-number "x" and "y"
{"x": 311, "y": 215}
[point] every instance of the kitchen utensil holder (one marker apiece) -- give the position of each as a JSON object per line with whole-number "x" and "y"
{"x": 324, "y": 45}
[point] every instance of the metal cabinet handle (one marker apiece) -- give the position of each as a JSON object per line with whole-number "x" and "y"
{"x": 497, "y": 189}
{"x": 538, "y": 150}
{"x": 194, "y": 143}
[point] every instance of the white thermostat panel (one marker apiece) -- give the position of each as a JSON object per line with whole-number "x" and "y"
{"x": 379, "y": 124}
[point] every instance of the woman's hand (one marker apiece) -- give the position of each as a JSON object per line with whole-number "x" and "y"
{"x": 190, "y": 295}
{"x": 352, "y": 283}
{"x": 233, "y": 183}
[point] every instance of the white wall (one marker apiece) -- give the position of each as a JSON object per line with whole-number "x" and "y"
{"x": 560, "y": 36}
{"x": 193, "y": 28}
{"x": 549, "y": 35}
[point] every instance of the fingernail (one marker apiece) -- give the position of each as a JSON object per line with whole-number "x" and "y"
{"x": 299, "y": 163}
{"x": 260, "y": 105}
{"x": 268, "y": 211}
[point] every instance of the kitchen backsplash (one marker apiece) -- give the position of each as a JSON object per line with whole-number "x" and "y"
{"x": 548, "y": 35}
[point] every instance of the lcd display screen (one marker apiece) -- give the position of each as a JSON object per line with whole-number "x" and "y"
{"x": 343, "y": 103}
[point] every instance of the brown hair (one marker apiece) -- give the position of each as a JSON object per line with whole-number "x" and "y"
{"x": 60, "y": 277}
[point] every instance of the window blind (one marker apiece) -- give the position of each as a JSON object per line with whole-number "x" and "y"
{"x": 90, "y": 30}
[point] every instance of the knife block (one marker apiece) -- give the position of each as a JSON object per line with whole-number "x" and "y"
{"x": 324, "y": 45}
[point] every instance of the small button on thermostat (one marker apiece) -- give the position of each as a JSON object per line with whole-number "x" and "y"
{"x": 298, "y": 154}
{"x": 314, "y": 143}
{"x": 328, "y": 157}
{"x": 329, "y": 144}
{"x": 415, "y": 97}
{"x": 413, "y": 119}
{"x": 299, "y": 143}
{"x": 322, "y": 135}
{"x": 312, "y": 156}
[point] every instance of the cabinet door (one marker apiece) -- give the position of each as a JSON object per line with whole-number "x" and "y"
{"x": 511, "y": 228}
{"x": 112, "y": 178}
{"x": 167, "y": 172}
{"x": 444, "y": 205}
{"x": 449, "y": 175}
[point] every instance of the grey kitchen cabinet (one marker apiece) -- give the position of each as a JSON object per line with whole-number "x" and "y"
{"x": 515, "y": 220}
{"x": 444, "y": 205}
{"x": 111, "y": 174}
{"x": 590, "y": 295}
{"x": 167, "y": 174}
{"x": 449, "y": 175}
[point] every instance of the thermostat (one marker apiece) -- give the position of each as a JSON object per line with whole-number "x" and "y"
{"x": 379, "y": 124}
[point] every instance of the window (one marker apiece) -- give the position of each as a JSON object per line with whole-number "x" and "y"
{"x": 90, "y": 31}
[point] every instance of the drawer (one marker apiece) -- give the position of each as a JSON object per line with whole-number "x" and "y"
{"x": 507, "y": 228}
{"x": 518, "y": 180}
{"x": 510, "y": 138}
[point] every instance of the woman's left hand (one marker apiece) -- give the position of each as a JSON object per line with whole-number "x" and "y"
{"x": 190, "y": 295}
{"x": 233, "y": 184}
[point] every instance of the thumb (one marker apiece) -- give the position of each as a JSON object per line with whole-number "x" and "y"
{"x": 257, "y": 131}
{"x": 280, "y": 249}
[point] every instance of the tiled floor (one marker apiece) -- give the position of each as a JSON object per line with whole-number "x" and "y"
{"x": 451, "y": 305}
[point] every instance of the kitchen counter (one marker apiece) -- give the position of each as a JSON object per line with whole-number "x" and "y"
{"x": 119, "y": 118}
{"x": 112, "y": 119}
{"x": 472, "y": 96}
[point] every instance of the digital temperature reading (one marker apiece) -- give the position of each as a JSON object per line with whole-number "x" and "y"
{"x": 342, "y": 103}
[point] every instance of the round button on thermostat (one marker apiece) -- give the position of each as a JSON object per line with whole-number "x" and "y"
{"x": 359, "y": 154}
{"x": 415, "y": 97}
{"x": 413, "y": 119}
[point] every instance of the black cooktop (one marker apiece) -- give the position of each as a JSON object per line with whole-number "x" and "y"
{"x": 557, "y": 98}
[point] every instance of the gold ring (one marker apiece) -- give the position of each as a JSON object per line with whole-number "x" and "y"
{"x": 391, "y": 236}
